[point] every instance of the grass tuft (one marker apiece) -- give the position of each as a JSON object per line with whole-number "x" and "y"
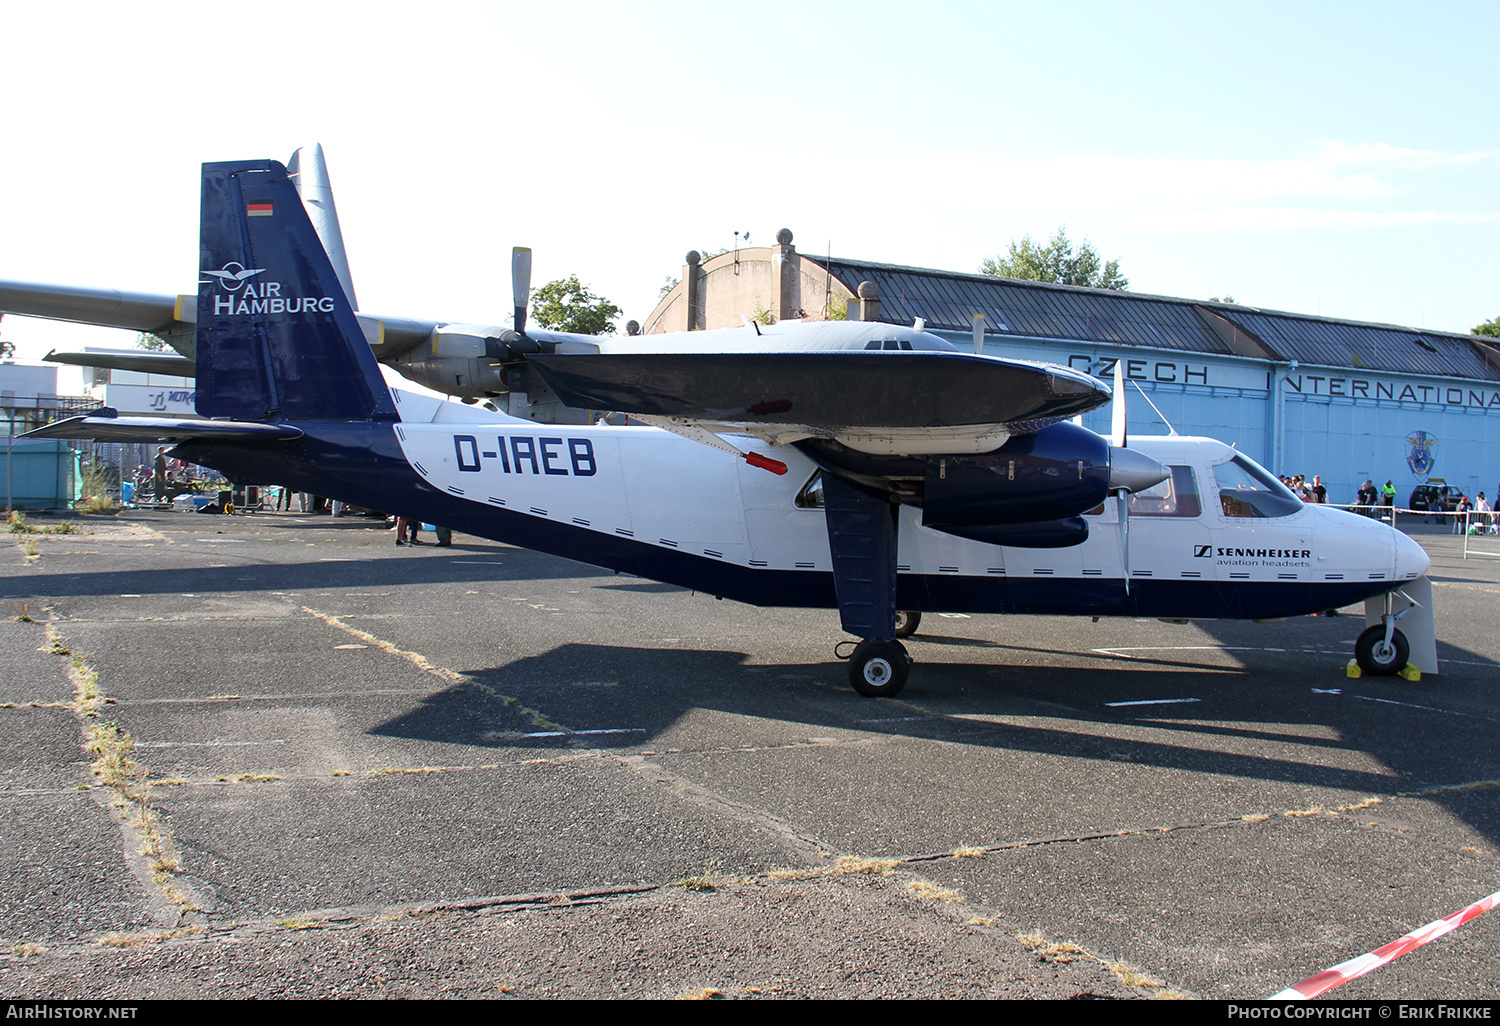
{"x": 706, "y": 879}
{"x": 875, "y": 867}
{"x": 704, "y": 994}
{"x": 932, "y": 892}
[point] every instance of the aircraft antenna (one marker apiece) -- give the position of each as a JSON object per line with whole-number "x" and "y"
{"x": 1170, "y": 429}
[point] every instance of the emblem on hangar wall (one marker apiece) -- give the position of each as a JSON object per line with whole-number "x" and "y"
{"x": 1421, "y": 459}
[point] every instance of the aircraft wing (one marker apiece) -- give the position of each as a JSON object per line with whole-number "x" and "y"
{"x": 108, "y": 426}
{"x": 825, "y": 389}
{"x": 169, "y": 317}
{"x": 145, "y": 361}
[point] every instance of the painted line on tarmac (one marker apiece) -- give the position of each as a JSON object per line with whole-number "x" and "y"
{"x": 1124, "y": 652}
{"x": 206, "y": 744}
{"x": 575, "y": 733}
{"x": 1154, "y": 701}
{"x": 1408, "y": 705}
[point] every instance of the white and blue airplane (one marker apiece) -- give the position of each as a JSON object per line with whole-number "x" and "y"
{"x": 870, "y": 468}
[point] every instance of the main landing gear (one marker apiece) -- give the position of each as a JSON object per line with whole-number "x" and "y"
{"x": 907, "y": 623}
{"x": 878, "y": 669}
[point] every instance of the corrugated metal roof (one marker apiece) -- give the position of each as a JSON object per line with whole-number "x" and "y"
{"x": 1336, "y": 343}
{"x": 948, "y": 300}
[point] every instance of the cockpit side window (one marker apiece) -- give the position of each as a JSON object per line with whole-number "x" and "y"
{"x": 1176, "y": 496}
{"x": 1245, "y": 490}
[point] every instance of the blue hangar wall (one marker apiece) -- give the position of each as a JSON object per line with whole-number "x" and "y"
{"x": 1347, "y": 425}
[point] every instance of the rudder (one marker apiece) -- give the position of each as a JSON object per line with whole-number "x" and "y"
{"x": 277, "y": 338}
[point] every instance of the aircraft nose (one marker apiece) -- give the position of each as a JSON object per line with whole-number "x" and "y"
{"x": 1411, "y": 559}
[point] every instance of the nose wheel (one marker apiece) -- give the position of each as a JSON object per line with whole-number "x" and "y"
{"x": 878, "y": 669}
{"x": 1378, "y": 656}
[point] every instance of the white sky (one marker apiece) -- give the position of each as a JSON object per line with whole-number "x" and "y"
{"x": 1333, "y": 158}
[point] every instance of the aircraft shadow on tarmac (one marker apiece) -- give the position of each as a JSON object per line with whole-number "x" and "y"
{"x": 445, "y": 565}
{"x": 622, "y": 697}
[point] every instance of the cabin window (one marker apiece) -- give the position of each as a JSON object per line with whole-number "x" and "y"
{"x": 811, "y": 495}
{"x": 1245, "y": 490}
{"x": 1176, "y": 496}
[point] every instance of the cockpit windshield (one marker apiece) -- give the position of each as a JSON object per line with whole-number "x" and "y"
{"x": 1246, "y": 490}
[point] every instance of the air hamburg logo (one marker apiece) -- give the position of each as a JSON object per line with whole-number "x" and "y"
{"x": 246, "y": 296}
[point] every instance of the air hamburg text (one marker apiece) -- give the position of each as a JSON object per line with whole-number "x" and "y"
{"x": 266, "y": 298}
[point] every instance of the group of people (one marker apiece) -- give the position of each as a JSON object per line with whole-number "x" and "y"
{"x": 1313, "y": 491}
{"x": 1370, "y": 497}
{"x": 1475, "y": 516}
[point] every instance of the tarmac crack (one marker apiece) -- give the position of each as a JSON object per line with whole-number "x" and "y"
{"x": 440, "y": 672}
{"x": 149, "y": 851}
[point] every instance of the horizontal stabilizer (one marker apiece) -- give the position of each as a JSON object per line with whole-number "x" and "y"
{"x": 141, "y": 360}
{"x": 107, "y": 426}
{"x": 823, "y": 388}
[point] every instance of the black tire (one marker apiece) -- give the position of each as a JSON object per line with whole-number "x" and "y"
{"x": 907, "y": 623}
{"x": 878, "y": 669}
{"x": 1377, "y": 658}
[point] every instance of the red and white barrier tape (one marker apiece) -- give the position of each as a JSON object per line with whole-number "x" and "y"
{"x": 1356, "y": 967}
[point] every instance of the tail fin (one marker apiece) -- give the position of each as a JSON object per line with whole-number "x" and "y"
{"x": 277, "y": 338}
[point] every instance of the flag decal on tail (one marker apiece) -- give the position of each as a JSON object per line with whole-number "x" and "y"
{"x": 258, "y": 210}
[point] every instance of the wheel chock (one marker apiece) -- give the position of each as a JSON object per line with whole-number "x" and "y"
{"x": 1353, "y": 670}
{"x": 1409, "y": 672}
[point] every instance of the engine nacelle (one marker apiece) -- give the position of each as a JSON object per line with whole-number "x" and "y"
{"x": 1053, "y": 475}
{"x": 464, "y": 342}
{"x": 467, "y": 378}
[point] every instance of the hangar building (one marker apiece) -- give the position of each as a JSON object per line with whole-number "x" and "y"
{"x": 1300, "y": 394}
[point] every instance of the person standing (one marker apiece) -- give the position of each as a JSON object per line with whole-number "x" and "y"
{"x": 160, "y": 476}
{"x": 1320, "y": 494}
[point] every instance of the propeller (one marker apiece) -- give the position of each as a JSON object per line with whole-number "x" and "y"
{"x": 1117, "y": 436}
{"x": 520, "y": 284}
{"x": 1119, "y": 440}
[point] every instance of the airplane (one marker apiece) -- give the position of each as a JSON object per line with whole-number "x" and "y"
{"x": 883, "y": 482}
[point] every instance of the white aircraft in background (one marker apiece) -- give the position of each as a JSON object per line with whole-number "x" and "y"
{"x": 881, "y": 481}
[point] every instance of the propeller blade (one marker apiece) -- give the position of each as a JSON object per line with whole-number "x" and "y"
{"x": 1125, "y": 536}
{"x": 520, "y": 283}
{"x": 1117, "y": 436}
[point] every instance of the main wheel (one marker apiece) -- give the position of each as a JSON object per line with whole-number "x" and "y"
{"x": 877, "y": 669}
{"x": 907, "y": 623}
{"x": 1378, "y": 658}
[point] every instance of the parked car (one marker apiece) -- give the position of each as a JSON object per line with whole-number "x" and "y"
{"x": 1435, "y": 497}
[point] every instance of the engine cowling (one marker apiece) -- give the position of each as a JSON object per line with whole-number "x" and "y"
{"x": 1052, "y": 475}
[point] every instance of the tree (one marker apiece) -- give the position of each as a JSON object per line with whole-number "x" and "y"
{"x": 1057, "y": 262}
{"x": 568, "y": 305}
{"x": 146, "y": 340}
{"x": 1490, "y": 328}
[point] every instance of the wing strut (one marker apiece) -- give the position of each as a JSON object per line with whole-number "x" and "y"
{"x": 862, "y": 538}
{"x": 687, "y": 429}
